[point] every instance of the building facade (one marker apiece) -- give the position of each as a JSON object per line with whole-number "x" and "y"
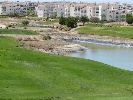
{"x": 104, "y": 11}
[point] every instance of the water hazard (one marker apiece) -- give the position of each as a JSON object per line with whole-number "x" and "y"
{"x": 118, "y": 56}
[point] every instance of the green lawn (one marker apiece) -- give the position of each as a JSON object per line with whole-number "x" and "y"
{"x": 115, "y": 31}
{"x": 17, "y": 31}
{"x": 32, "y": 18}
{"x": 4, "y": 16}
{"x": 26, "y": 74}
{"x": 49, "y": 22}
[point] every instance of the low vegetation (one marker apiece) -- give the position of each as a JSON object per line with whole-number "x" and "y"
{"x": 26, "y": 74}
{"x": 47, "y": 37}
{"x": 25, "y": 22}
{"x": 17, "y": 31}
{"x": 52, "y": 21}
{"x": 107, "y": 30}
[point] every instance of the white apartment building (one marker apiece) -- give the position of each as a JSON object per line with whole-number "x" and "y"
{"x": 8, "y": 8}
{"x": 103, "y": 11}
{"x": 50, "y": 9}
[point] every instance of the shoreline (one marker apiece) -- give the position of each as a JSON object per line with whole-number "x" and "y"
{"x": 97, "y": 39}
{"x": 53, "y": 46}
{"x": 66, "y": 42}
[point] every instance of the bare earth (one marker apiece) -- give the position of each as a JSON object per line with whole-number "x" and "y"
{"x": 36, "y": 42}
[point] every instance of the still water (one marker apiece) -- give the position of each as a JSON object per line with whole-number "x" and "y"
{"x": 118, "y": 56}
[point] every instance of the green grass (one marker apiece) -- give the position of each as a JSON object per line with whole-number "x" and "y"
{"x": 115, "y": 31}
{"x": 49, "y": 22}
{"x": 17, "y": 31}
{"x": 4, "y": 16}
{"x": 26, "y": 74}
{"x": 32, "y": 18}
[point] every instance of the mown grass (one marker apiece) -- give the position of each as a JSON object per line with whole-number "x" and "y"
{"x": 49, "y": 22}
{"x": 26, "y": 74}
{"x": 107, "y": 30}
{"x": 17, "y": 31}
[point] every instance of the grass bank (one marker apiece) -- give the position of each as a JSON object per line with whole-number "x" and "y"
{"x": 17, "y": 31}
{"x": 26, "y": 74}
{"x": 107, "y": 30}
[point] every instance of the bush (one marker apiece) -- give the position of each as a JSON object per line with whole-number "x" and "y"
{"x": 13, "y": 26}
{"x": 46, "y": 37}
{"x": 94, "y": 19}
{"x": 25, "y": 22}
{"x": 25, "y": 28}
{"x": 9, "y": 25}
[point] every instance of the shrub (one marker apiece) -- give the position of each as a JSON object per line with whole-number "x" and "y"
{"x": 46, "y": 37}
{"x": 9, "y": 25}
{"x": 13, "y": 26}
{"x": 25, "y": 28}
{"x": 94, "y": 19}
{"x": 25, "y": 22}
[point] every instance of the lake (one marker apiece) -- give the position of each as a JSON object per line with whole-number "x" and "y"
{"x": 118, "y": 56}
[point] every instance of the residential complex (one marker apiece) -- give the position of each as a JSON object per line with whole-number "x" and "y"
{"x": 9, "y": 8}
{"x": 104, "y": 11}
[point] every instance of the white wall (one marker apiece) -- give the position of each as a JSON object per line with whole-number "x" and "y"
{"x": 40, "y": 13}
{"x": 0, "y": 10}
{"x": 59, "y": 11}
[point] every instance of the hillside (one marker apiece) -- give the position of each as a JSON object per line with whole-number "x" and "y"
{"x": 27, "y": 74}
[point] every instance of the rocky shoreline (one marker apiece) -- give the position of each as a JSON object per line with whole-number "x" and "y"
{"x": 66, "y": 43}
{"x": 53, "y": 46}
{"x": 104, "y": 40}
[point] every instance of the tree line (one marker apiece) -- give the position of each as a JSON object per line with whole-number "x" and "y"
{"x": 72, "y": 21}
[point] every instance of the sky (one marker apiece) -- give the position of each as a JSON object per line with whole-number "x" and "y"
{"x": 98, "y": 1}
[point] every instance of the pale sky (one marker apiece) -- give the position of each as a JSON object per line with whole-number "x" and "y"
{"x": 98, "y": 1}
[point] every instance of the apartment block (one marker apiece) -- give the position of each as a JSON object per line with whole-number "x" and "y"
{"x": 103, "y": 11}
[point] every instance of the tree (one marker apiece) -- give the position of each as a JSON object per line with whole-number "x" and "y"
{"x": 129, "y": 18}
{"x": 94, "y": 19}
{"x": 25, "y": 22}
{"x": 123, "y": 17}
{"x": 84, "y": 19}
{"x": 62, "y": 20}
{"x": 71, "y": 22}
{"x": 31, "y": 13}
